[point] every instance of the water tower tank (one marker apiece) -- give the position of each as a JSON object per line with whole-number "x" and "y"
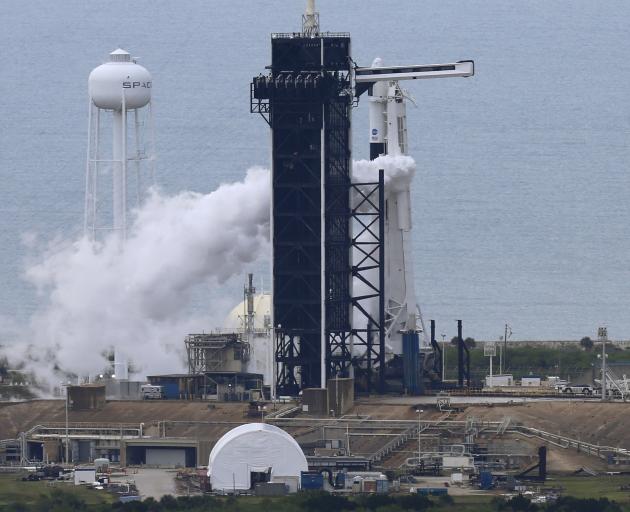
{"x": 108, "y": 82}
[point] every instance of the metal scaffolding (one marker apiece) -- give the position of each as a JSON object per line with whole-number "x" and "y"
{"x": 306, "y": 99}
{"x": 206, "y": 352}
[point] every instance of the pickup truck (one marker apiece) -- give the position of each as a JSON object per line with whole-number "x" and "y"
{"x": 576, "y": 389}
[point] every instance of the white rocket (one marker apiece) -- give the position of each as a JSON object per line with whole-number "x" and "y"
{"x": 388, "y": 136}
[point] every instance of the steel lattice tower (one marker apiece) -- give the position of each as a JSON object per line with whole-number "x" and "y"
{"x": 306, "y": 100}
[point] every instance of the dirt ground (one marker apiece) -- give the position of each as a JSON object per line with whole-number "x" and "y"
{"x": 21, "y": 416}
{"x": 155, "y": 483}
{"x": 592, "y": 422}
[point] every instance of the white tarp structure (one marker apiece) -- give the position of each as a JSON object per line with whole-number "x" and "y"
{"x": 84, "y": 475}
{"x": 254, "y": 448}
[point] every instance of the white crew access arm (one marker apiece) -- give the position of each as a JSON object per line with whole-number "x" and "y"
{"x": 462, "y": 68}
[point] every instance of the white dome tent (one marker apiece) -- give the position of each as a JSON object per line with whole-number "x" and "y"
{"x": 255, "y": 452}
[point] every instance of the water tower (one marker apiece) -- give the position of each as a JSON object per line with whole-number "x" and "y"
{"x": 120, "y": 143}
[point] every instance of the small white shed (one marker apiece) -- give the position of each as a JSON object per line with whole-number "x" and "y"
{"x": 255, "y": 452}
{"x": 505, "y": 380}
{"x": 530, "y": 381}
{"x": 84, "y": 475}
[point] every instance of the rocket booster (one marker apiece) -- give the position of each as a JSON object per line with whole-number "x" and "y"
{"x": 388, "y": 136}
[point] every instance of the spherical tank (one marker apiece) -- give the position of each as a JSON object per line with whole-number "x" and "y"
{"x": 118, "y": 78}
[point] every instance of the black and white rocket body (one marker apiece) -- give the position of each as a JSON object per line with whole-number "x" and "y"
{"x": 388, "y": 136}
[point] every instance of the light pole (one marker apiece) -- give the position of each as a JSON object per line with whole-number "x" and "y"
{"x": 419, "y": 412}
{"x": 443, "y": 357}
{"x": 602, "y": 334}
{"x": 507, "y": 334}
{"x": 348, "y": 439}
{"x": 67, "y": 436}
{"x": 262, "y": 409}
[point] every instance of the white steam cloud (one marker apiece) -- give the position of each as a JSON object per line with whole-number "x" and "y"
{"x": 134, "y": 295}
{"x": 398, "y": 170}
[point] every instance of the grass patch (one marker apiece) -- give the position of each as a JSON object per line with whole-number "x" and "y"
{"x": 594, "y": 487}
{"x": 13, "y": 490}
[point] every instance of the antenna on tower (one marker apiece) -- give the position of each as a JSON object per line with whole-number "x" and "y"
{"x": 310, "y": 20}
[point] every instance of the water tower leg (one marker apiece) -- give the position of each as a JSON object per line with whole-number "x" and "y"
{"x": 117, "y": 172}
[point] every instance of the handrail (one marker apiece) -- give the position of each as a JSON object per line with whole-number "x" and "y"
{"x": 590, "y": 448}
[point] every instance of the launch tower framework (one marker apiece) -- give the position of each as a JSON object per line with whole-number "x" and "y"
{"x": 307, "y": 99}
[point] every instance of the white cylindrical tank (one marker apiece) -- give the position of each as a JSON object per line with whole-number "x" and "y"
{"x": 118, "y": 78}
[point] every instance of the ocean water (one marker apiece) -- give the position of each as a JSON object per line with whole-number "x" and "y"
{"x": 520, "y": 202}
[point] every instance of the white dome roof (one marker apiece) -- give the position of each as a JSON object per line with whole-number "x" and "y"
{"x": 254, "y": 447}
{"x": 262, "y": 309}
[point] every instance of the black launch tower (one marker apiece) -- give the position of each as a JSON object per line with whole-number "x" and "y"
{"x": 306, "y": 99}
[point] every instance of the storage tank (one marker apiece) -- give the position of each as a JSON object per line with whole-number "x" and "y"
{"x": 252, "y": 318}
{"x": 101, "y": 464}
{"x": 312, "y": 480}
{"x": 120, "y": 78}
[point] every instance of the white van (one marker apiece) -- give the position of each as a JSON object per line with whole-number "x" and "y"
{"x": 150, "y": 392}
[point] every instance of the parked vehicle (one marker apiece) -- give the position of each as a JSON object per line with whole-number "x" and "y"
{"x": 150, "y": 392}
{"x": 576, "y": 389}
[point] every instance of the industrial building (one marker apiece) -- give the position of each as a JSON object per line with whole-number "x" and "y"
{"x": 228, "y": 386}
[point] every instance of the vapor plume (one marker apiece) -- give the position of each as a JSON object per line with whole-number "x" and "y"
{"x": 134, "y": 295}
{"x": 398, "y": 170}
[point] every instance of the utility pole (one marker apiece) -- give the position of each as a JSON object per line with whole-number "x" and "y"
{"x": 348, "y": 439}
{"x": 602, "y": 334}
{"x": 505, "y": 338}
{"x": 67, "y": 436}
{"x": 443, "y": 357}
{"x": 419, "y": 412}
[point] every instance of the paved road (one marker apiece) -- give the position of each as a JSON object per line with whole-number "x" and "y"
{"x": 155, "y": 483}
